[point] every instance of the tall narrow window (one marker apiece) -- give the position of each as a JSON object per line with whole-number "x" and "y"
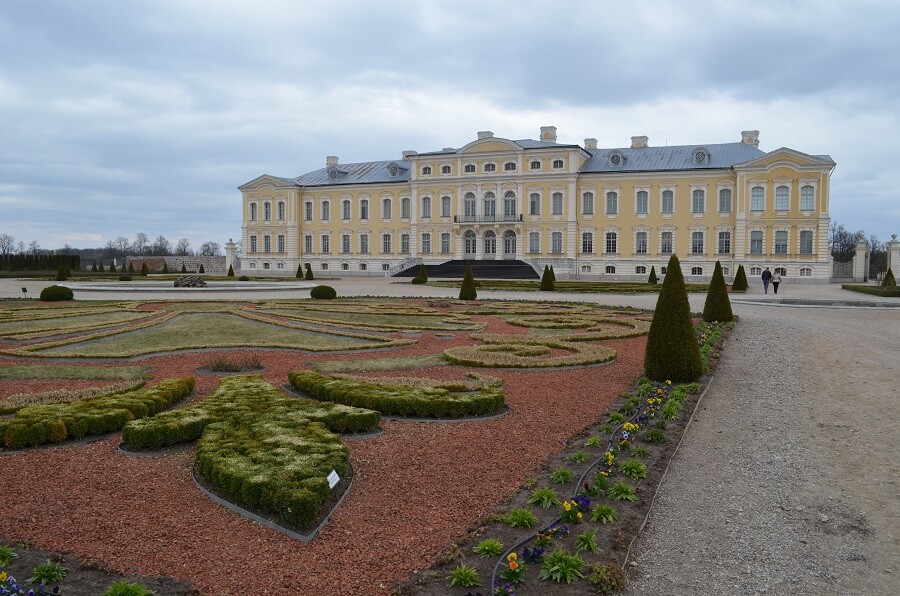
{"x": 490, "y": 206}
{"x": 806, "y": 242}
{"x": 326, "y": 210}
{"x": 781, "y": 242}
{"x": 756, "y": 242}
{"x": 386, "y": 244}
{"x": 404, "y": 243}
{"x": 807, "y": 202}
{"x": 326, "y": 244}
{"x": 385, "y": 209}
{"x": 308, "y": 211}
{"x": 426, "y": 207}
{"x": 509, "y": 206}
{"x": 445, "y": 206}
{"x": 281, "y": 243}
{"x": 612, "y": 203}
{"x": 612, "y": 242}
{"x": 364, "y": 244}
{"x": 557, "y": 203}
{"x": 725, "y": 200}
{"x": 698, "y": 202}
{"x": 252, "y": 211}
{"x": 345, "y": 244}
{"x": 640, "y": 243}
{"x": 641, "y": 200}
{"x": 587, "y": 203}
{"x": 252, "y": 243}
{"x": 469, "y": 206}
{"x": 534, "y": 242}
{"x": 697, "y": 243}
{"x": 404, "y": 208}
{"x": 757, "y": 199}
{"x": 445, "y": 243}
{"x": 534, "y": 204}
{"x": 308, "y": 244}
{"x": 665, "y": 243}
{"x": 345, "y": 209}
{"x": 724, "y": 243}
{"x": 782, "y": 198}
{"x": 267, "y": 211}
{"x": 267, "y": 243}
{"x": 281, "y": 210}
{"x": 364, "y": 209}
{"x": 426, "y": 243}
{"x": 587, "y": 242}
{"x": 668, "y": 201}
{"x": 556, "y": 243}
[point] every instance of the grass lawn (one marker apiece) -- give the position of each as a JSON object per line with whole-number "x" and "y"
{"x": 65, "y": 323}
{"x": 63, "y": 371}
{"x": 380, "y": 364}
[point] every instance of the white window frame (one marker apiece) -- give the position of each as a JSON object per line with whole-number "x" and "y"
{"x": 587, "y": 203}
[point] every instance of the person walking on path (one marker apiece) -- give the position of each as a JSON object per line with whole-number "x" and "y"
{"x": 776, "y": 279}
{"x": 766, "y": 277}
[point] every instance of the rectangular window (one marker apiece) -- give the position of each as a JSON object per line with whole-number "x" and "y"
{"x": 307, "y": 211}
{"x": 587, "y": 203}
{"x": 756, "y": 242}
{"x": 641, "y": 200}
{"x": 807, "y": 202}
{"x": 307, "y": 244}
{"x": 386, "y": 209}
{"x": 281, "y": 210}
{"x": 698, "y": 202}
{"x": 782, "y": 198}
{"x": 426, "y": 243}
{"x": 697, "y": 243}
{"x": 252, "y": 243}
{"x": 404, "y": 208}
{"x": 345, "y": 210}
{"x": 781, "y": 242}
{"x": 404, "y": 244}
{"x": 267, "y": 211}
{"x": 612, "y": 242}
{"x": 252, "y": 211}
{"x": 445, "y": 243}
{"x": 587, "y": 242}
{"x": 806, "y": 242}
{"x": 534, "y": 242}
{"x": 364, "y": 209}
{"x": 557, "y": 203}
{"x": 665, "y": 243}
{"x": 668, "y": 201}
{"x": 534, "y": 204}
{"x": 445, "y": 206}
{"x": 364, "y": 244}
{"x": 345, "y": 244}
{"x": 267, "y": 243}
{"x": 757, "y": 199}
{"x": 724, "y": 243}
{"x": 326, "y": 210}
{"x": 386, "y": 244}
{"x": 612, "y": 203}
{"x": 556, "y": 243}
{"x": 426, "y": 207}
{"x": 326, "y": 244}
{"x": 281, "y": 243}
{"x": 725, "y": 200}
{"x": 640, "y": 243}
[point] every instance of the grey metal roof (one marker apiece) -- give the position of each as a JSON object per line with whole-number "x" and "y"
{"x": 652, "y": 159}
{"x": 369, "y": 172}
{"x": 523, "y": 143}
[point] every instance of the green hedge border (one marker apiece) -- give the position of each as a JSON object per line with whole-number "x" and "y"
{"x": 875, "y": 291}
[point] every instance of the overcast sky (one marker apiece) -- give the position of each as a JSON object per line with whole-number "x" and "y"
{"x": 124, "y": 117}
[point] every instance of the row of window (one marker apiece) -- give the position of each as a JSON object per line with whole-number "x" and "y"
{"x": 267, "y": 244}
{"x": 782, "y": 198}
{"x": 267, "y": 211}
{"x": 323, "y": 266}
{"x": 754, "y": 271}
{"x": 509, "y": 166}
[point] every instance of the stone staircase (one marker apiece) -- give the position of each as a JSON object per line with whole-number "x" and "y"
{"x": 499, "y": 269}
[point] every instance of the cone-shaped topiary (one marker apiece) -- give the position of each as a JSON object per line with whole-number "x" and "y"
{"x": 299, "y": 274}
{"x": 718, "y": 305}
{"x": 467, "y": 291}
{"x": 144, "y": 270}
{"x": 130, "y": 267}
{"x": 672, "y": 352}
{"x": 100, "y": 267}
{"x": 112, "y": 267}
{"x": 309, "y": 273}
{"x": 94, "y": 266}
{"x": 422, "y": 273}
{"x": 183, "y": 267}
{"x": 740, "y": 280}
{"x": 547, "y": 281}
{"x": 231, "y": 271}
{"x": 552, "y": 274}
{"x": 165, "y": 267}
{"x": 652, "y": 279}
{"x": 61, "y": 273}
{"x": 201, "y": 270}
{"x": 889, "y": 281}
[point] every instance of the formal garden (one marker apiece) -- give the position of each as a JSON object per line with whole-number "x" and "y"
{"x": 381, "y": 445}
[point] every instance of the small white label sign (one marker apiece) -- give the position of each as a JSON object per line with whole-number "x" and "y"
{"x": 333, "y": 479}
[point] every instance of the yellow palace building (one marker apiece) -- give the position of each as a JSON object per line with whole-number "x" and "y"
{"x": 607, "y": 214}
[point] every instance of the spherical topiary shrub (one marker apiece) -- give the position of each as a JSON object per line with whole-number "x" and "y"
{"x": 418, "y": 280}
{"x": 243, "y": 278}
{"x": 124, "y": 278}
{"x": 607, "y": 577}
{"x": 56, "y": 294}
{"x": 672, "y": 353}
{"x": 323, "y": 293}
{"x": 740, "y": 280}
{"x": 718, "y": 306}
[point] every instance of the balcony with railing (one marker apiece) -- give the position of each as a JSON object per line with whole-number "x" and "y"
{"x": 506, "y": 218}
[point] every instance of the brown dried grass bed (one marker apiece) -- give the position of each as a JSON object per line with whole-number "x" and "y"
{"x": 418, "y": 487}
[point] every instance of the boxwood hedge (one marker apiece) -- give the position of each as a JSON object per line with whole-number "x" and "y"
{"x": 36, "y": 425}
{"x": 398, "y": 400}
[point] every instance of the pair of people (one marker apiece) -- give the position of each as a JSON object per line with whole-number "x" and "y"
{"x": 774, "y": 279}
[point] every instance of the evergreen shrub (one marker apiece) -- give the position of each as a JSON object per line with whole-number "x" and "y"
{"x": 552, "y": 274}
{"x": 889, "y": 281}
{"x": 124, "y": 278}
{"x": 201, "y": 269}
{"x": 309, "y": 273}
{"x": 422, "y": 273}
{"x": 56, "y": 294}
{"x": 230, "y": 271}
{"x": 183, "y": 267}
{"x": 61, "y": 273}
{"x": 419, "y": 280}
{"x": 130, "y": 267}
{"x": 323, "y": 293}
{"x": 718, "y": 305}
{"x": 652, "y": 279}
{"x": 740, "y": 280}
{"x": 243, "y": 278}
{"x": 165, "y": 267}
{"x": 547, "y": 280}
{"x": 100, "y": 268}
{"x": 144, "y": 270}
{"x": 94, "y": 266}
{"x": 112, "y": 267}
{"x": 467, "y": 291}
{"x": 299, "y": 274}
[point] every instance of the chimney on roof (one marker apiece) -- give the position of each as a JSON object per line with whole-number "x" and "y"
{"x": 639, "y": 142}
{"x": 331, "y": 161}
{"x": 590, "y": 144}
{"x": 408, "y": 153}
{"x": 485, "y": 134}
{"x": 751, "y": 137}
{"x": 548, "y": 134}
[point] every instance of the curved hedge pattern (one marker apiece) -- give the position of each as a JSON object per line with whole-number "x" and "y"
{"x": 511, "y": 351}
{"x": 399, "y": 400}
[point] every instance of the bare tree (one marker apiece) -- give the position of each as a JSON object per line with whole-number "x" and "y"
{"x": 140, "y": 243}
{"x": 161, "y": 246}
{"x": 20, "y": 248}
{"x": 110, "y": 250}
{"x": 843, "y": 241}
{"x": 34, "y": 247}
{"x": 877, "y": 256}
{"x": 183, "y": 248}
{"x": 7, "y": 243}
{"x": 210, "y": 249}
{"x": 123, "y": 245}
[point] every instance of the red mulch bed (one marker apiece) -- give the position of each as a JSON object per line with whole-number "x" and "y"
{"x": 418, "y": 486}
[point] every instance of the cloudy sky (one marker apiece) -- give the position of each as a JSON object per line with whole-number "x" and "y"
{"x": 144, "y": 116}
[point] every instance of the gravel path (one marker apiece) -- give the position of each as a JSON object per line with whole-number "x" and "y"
{"x": 787, "y": 481}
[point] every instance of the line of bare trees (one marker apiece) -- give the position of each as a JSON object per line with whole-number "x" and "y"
{"x": 843, "y": 247}
{"x": 121, "y": 247}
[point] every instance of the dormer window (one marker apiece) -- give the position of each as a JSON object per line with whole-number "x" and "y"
{"x": 445, "y": 169}
{"x": 426, "y": 170}
{"x": 490, "y": 167}
{"x": 700, "y": 155}
{"x": 509, "y": 166}
{"x": 557, "y": 164}
{"x": 333, "y": 173}
{"x": 616, "y": 159}
{"x": 393, "y": 169}
{"x": 469, "y": 168}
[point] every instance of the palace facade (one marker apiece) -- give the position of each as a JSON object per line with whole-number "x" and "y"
{"x": 592, "y": 213}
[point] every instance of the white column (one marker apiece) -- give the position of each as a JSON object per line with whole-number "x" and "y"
{"x": 893, "y": 255}
{"x": 860, "y": 262}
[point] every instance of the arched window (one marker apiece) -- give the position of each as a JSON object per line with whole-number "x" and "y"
{"x": 640, "y": 270}
{"x": 445, "y": 169}
{"x": 490, "y": 167}
{"x": 696, "y": 270}
{"x": 404, "y": 208}
{"x": 469, "y": 168}
{"x": 426, "y": 170}
{"x": 426, "y": 207}
{"x": 490, "y": 206}
{"x": 445, "y": 206}
{"x": 557, "y": 207}
{"x": 557, "y": 164}
{"x": 267, "y": 211}
{"x": 587, "y": 203}
{"x": 364, "y": 209}
{"x": 667, "y": 203}
{"x": 345, "y": 209}
{"x": 612, "y": 203}
{"x": 782, "y": 198}
{"x": 326, "y": 210}
{"x": 757, "y": 199}
{"x": 641, "y": 201}
{"x": 534, "y": 204}
{"x": 281, "y": 210}
{"x": 469, "y": 206}
{"x": 509, "y": 205}
{"x": 610, "y": 269}
{"x": 535, "y": 165}
{"x": 807, "y": 202}
{"x": 509, "y": 166}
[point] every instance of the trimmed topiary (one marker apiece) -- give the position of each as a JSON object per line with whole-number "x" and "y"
{"x": 94, "y": 266}
{"x": 100, "y": 268}
{"x": 112, "y": 267}
{"x": 124, "y": 278}
{"x": 144, "y": 270}
{"x": 165, "y": 267}
{"x": 547, "y": 280}
{"x": 467, "y": 291}
{"x": 183, "y": 267}
{"x": 243, "y": 278}
{"x": 299, "y": 274}
{"x": 652, "y": 279}
{"x": 201, "y": 269}
{"x": 672, "y": 353}
{"x": 309, "y": 273}
{"x": 61, "y": 273}
{"x": 231, "y": 271}
{"x": 56, "y": 294}
{"x": 419, "y": 280}
{"x": 740, "y": 280}
{"x": 552, "y": 274}
{"x": 889, "y": 281}
{"x": 323, "y": 293}
{"x": 422, "y": 273}
{"x": 718, "y": 306}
